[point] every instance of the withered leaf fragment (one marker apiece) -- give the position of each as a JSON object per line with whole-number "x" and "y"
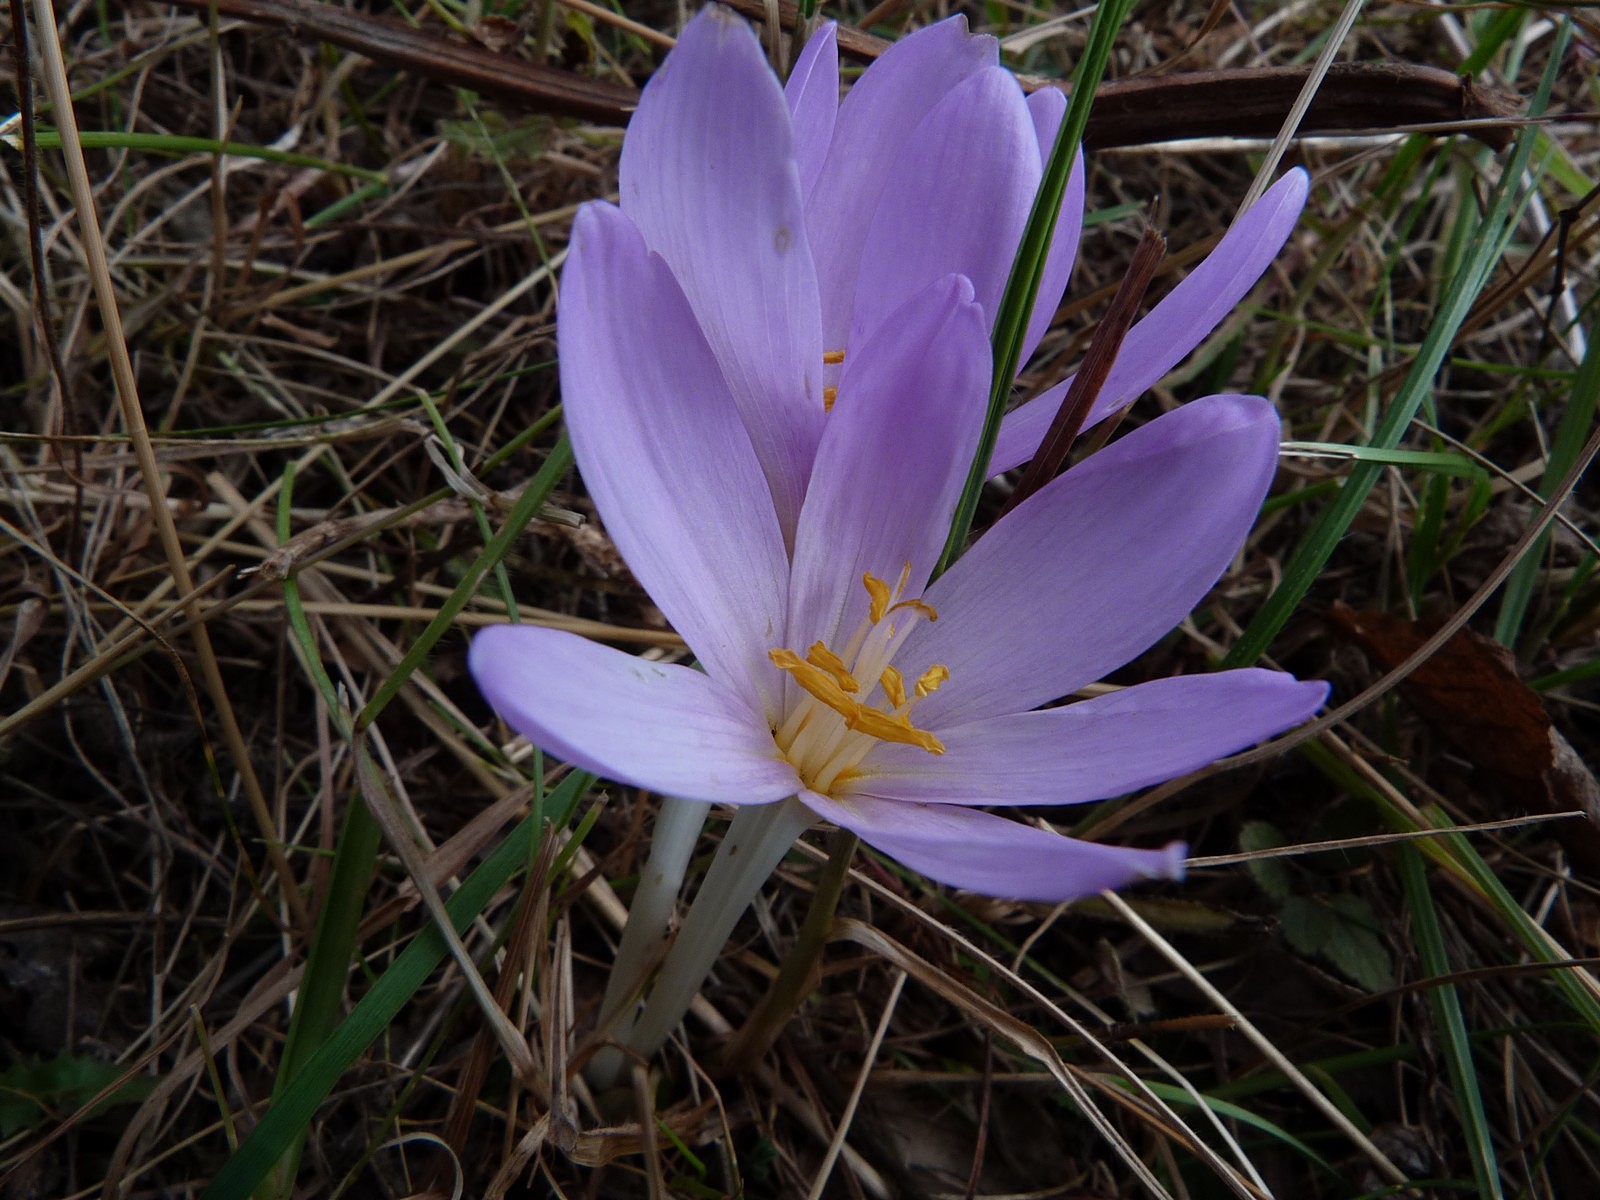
{"x": 1470, "y": 693}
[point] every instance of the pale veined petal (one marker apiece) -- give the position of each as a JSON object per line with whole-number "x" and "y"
{"x": 654, "y": 725}
{"x": 966, "y": 848}
{"x": 665, "y": 455}
{"x": 893, "y": 459}
{"x": 1099, "y": 564}
{"x": 1097, "y": 748}
{"x": 813, "y": 96}
{"x": 708, "y": 175}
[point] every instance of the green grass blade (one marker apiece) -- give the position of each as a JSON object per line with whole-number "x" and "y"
{"x": 1483, "y": 252}
{"x": 347, "y": 204}
{"x": 1582, "y": 400}
{"x": 1178, "y": 1097}
{"x": 355, "y": 857}
{"x": 1576, "y": 674}
{"x": 1022, "y": 286}
{"x": 1440, "y": 462}
{"x": 1459, "y": 853}
{"x": 293, "y": 1109}
{"x": 458, "y": 464}
{"x": 1455, "y": 853}
{"x": 1451, "y": 1023}
{"x": 167, "y": 143}
{"x": 316, "y": 1011}
{"x": 1423, "y": 555}
{"x": 1492, "y": 36}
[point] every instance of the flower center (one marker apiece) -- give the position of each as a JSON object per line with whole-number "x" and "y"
{"x": 840, "y": 718}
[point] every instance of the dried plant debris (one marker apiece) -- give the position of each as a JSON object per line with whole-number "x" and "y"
{"x": 1470, "y": 692}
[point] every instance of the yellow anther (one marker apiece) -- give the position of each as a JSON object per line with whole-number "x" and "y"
{"x": 887, "y": 727}
{"x": 829, "y": 395}
{"x": 928, "y": 682}
{"x": 820, "y": 656}
{"x": 833, "y": 357}
{"x": 894, "y": 686}
{"x": 819, "y": 683}
{"x": 879, "y": 591}
{"x": 922, "y": 607}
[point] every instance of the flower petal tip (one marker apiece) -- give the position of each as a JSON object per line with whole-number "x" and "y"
{"x": 487, "y": 651}
{"x": 1173, "y": 862}
{"x": 1316, "y": 693}
{"x": 720, "y": 16}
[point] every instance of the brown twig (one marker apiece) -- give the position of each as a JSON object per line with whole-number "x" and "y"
{"x": 1245, "y": 102}
{"x": 432, "y": 55}
{"x": 1252, "y": 102}
{"x": 1097, "y": 364}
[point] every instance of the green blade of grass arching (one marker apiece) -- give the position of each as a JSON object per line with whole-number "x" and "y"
{"x": 1488, "y": 242}
{"x": 452, "y": 452}
{"x": 1582, "y": 400}
{"x": 292, "y": 1110}
{"x": 1445, "y": 1002}
{"x": 528, "y": 503}
{"x": 1424, "y": 555}
{"x": 355, "y": 857}
{"x": 1022, "y": 286}
{"x": 1438, "y": 462}
{"x": 1578, "y": 674}
{"x": 1178, "y": 1098}
{"x": 1458, "y": 853}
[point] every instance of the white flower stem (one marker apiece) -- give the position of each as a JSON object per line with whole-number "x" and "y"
{"x": 757, "y": 839}
{"x": 672, "y": 842}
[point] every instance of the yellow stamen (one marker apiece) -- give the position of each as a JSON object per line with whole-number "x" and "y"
{"x": 819, "y": 683}
{"x": 829, "y": 733}
{"x": 889, "y": 728}
{"x": 884, "y": 726}
{"x": 833, "y": 357}
{"x": 820, "y": 656}
{"x": 879, "y": 591}
{"x": 829, "y": 395}
{"x": 894, "y": 686}
{"x": 928, "y": 682}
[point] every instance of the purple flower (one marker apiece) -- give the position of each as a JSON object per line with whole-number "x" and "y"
{"x": 774, "y": 371}
{"x": 796, "y": 224}
{"x": 835, "y": 673}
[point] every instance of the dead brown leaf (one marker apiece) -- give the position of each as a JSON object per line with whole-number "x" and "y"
{"x": 1470, "y": 693}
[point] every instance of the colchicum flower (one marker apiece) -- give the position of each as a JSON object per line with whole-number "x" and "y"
{"x": 784, "y": 504}
{"x": 795, "y": 224}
